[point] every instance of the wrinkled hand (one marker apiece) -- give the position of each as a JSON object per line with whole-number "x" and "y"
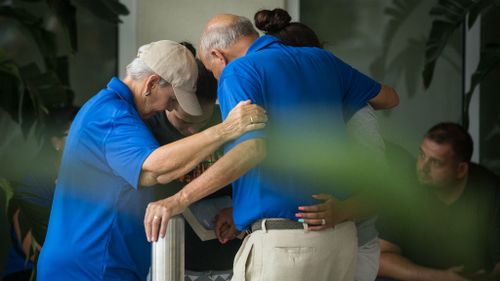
{"x": 243, "y": 118}
{"x": 159, "y": 213}
{"x": 323, "y": 215}
{"x": 225, "y": 229}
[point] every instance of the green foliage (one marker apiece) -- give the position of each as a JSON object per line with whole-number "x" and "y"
{"x": 447, "y": 16}
{"x": 29, "y": 93}
{"x": 397, "y": 13}
{"x": 490, "y": 60}
{"x": 11, "y": 82}
{"x": 105, "y": 9}
{"x": 34, "y": 79}
{"x": 6, "y": 189}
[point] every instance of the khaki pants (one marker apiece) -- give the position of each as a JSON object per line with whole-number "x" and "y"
{"x": 298, "y": 255}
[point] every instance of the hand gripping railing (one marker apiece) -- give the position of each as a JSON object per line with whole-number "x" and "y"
{"x": 167, "y": 263}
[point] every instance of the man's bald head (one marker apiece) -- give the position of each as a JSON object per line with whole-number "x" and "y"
{"x": 221, "y": 20}
{"x": 224, "y": 30}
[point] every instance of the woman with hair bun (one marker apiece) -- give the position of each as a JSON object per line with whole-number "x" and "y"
{"x": 278, "y": 24}
{"x": 361, "y": 125}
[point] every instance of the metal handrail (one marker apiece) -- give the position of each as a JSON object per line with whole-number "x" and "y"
{"x": 167, "y": 261}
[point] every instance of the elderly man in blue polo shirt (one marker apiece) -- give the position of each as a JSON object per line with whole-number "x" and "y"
{"x": 303, "y": 90}
{"x": 95, "y": 229}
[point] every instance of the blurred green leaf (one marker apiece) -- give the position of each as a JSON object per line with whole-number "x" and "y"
{"x": 6, "y": 188}
{"x": 116, "y": 7}
{"x": 46, "y": 92}
{"x": 438, "y": 38}
{"x": 10, "y": 87}
{"x": 410, "y": 64}
{"x": 398, "y": 13}
{"x": 478, "y": 9}
{"x": 27, "y": 93}
{"x": 33, "y": 25}
{"x": 448, "y": 15}
{"x": 21, "y": 15}
{"x": 489, "y": 60}
{"x": 66, "y": 13}
{"x": 108, "y": 10}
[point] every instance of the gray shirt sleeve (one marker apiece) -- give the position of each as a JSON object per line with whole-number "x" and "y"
{"x": 363, "y": 130}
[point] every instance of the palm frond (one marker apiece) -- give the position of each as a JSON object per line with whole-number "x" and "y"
{"x": 447, "y": 16}
{"x": 108, "y": 10}
{"x": 490, "y": 60}
{"x": 398, "y": 13}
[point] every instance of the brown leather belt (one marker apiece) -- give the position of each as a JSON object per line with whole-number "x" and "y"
{"x": 276, "y": 224}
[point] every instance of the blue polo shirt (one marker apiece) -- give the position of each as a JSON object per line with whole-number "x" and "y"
{"x": 96, "y": 228}
{"x": 306, "y": 92}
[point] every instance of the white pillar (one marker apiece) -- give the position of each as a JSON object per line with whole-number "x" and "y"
{"x": 127, "y": 37}
{"x": 472, "y": 51}
{"x": 293, "y": 9}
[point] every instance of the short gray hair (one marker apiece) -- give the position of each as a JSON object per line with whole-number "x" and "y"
{"x": 137, "y": 70}
{"x": 221, "y": 37}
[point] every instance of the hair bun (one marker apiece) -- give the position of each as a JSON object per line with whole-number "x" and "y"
{"x": 272, "y": 21}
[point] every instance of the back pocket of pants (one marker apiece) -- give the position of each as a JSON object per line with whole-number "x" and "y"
{"x": 290, "y": 263}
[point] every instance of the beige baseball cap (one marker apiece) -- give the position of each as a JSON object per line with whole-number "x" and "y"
{"x": 176, "y": 65}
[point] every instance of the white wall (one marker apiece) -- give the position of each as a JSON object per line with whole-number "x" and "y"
{"x": 177, "y": 20}
{"x": 472, "y": 56}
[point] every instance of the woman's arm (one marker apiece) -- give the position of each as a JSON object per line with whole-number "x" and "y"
{"x": 176, "y": 159}
{"x": 387, "y": 98}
